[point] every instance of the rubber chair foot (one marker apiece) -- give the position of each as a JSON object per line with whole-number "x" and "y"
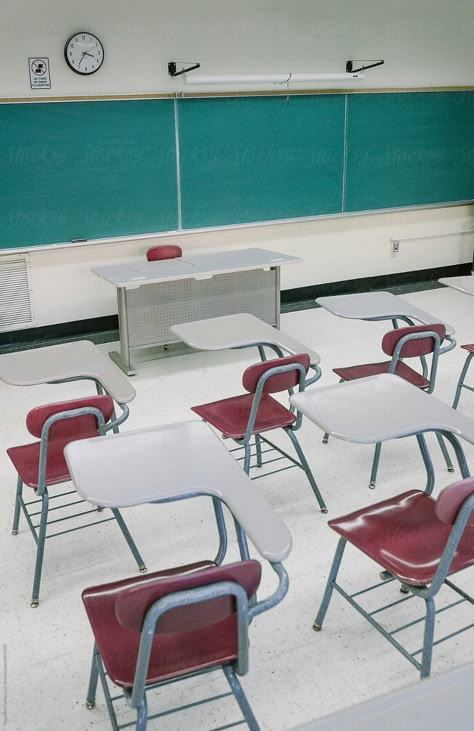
{"x": 324, "y": 510}
{"x": 404, "y": 589}
{"x": 372, "y": 485}
{"x": 317, "y": 627}
{"x": 14, "y": 532}
{"x": 90, "y": 705}
{"x": 35, "y": 604}
{"x": 143, "y": 569}
{"x": 325, "y": 441}
{"x": 450, "y": 469}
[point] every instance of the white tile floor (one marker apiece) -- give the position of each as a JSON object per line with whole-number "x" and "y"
{"x": 295, "y": 674}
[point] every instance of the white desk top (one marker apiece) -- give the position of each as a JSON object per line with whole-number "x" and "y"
{"x": 172, "y": 461}
{"x": 379, "y": 408}
{"x": 238, "y": 331}
{"x": 377, "y": 306}
{"x": 462, "y": 284}
{"x": 440, "y": 703}
{"x": 80, "y": 359}
{"x": 198, "y": 266}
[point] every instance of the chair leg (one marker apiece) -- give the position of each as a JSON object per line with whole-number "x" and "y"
{"x": 40, "y": 549}
{"x": 428, "y": 638}
{"x": 130, "y": 541}
{"x": 445, "y": 453}
{"x": 142, "y": 715}
{"x": 93, "y": 680}
{"x": 325, "y": 437}
{"x": 307, "y": 470}
{"x": 18, "y": 501}
{"x": 247, "y": 457}
{"x": 258, "y": 448}
{"x": 318, "y": 622}
{"x": 460, "y": 383}
{"x": 375, "y": 465}
{"x": 240, "y": 697}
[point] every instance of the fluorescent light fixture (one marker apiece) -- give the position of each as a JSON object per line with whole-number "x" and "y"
{"x": 282, "y": 79}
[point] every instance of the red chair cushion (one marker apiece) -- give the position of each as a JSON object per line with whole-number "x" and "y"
{"x": 413, "y": 348}
{"x": 230, "y": 416}
{"x": 278, "y": 382}
{"x": 404, "y": 535}
{"x": 26, "y": 460}
{"x": 182, "y": 648}
{"x": 403, "y": 370}
{"x": 469, "y": 347}
{"x": 157, "y": 253}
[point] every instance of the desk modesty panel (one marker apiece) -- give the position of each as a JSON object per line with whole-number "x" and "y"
{"x": 88, "y": 170}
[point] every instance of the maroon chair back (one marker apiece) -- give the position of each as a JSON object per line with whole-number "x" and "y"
{"x": 156, "y": 253}
{"x": 77, "y": 426}
{"x": 413, "y": 348}
{"x": 278, "y": 382}
{"x": 133, "y": 602}
{"x": 451, "y": 499}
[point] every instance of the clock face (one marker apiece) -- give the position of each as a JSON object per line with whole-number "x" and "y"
{"x": 84, "y": 53}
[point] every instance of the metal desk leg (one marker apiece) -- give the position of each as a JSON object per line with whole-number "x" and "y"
{"x": 122, "y": 359}
{"x": 277, "y": 296}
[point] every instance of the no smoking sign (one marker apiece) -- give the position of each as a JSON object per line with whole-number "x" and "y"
{"x": 39, "y": 73}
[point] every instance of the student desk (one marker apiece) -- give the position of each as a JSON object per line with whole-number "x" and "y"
{"x": 172, "y": 462}
{"x": 66, "y": 362}
{"x": 439, "y": 703}
{"x": 379, "y": 306}
{"x": 152, "y": 296}
{"x": 383, "y": 407}
{"x": 462, "y": 284}
{"x": 241, "y": 331}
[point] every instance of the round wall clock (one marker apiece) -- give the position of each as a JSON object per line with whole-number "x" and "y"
{"x": 84, "y": 53}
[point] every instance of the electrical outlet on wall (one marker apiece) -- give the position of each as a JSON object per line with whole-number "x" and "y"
{"x": 394, "y": 246}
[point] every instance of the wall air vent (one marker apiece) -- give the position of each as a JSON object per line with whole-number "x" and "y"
{"x": 16, "y": 309}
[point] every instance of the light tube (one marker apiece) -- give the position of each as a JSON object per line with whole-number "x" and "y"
{"x": 282, "y": 79}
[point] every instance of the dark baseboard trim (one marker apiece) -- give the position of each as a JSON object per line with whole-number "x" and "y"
{"x": 367, "y": 284}
{"x": 105, "y": 329}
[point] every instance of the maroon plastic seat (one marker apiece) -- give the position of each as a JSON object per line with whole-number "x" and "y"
{"x": 231, "y": 415}
{"x": 25, "y": 457}
{"x": 468, "y": 347}
{"x": 406, "y": 536}
{"x": 403, "y": 370}
{"x": 188, "y": 638}
{"x": 157, "y": 253}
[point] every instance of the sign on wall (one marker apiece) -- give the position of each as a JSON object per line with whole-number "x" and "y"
{"x": 39, "y": 73}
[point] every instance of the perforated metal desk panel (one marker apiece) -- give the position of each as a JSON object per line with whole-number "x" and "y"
{"x": 152, "y": 296}
{"x": 442, "y": 703}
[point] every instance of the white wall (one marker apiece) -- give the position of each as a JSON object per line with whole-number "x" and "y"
{"x": 424, "y": 43}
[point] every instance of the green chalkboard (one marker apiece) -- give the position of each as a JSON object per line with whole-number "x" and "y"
{"x": 86, "y": 170}
{"x": 91, "y": 170}
{"x": 409, "y": 148}
{"x": 254, "y": 159}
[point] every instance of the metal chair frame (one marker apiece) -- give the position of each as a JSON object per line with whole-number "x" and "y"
{"x": 246, "y": 443}
{"x": 460, "y": 384}
{"x": 136, "y": 697}
{"x": 395, "y": 359}
{"x": 39, "y": 530}
{"x": 427, "y": 593}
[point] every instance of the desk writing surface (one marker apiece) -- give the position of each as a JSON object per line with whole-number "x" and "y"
{"x": 377, "y": 306}
{"x": 172, "y": 461}
{"x": 378, "y": 408}
{"x": 79, "y": 359}
{"x": 462, "y": 284}
{"x": 238, "y": 331}
{"x": 191, "y": 267}
{"x": 440, "y": 703}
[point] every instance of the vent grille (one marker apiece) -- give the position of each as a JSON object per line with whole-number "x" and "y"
{"x": 16, "y": 311}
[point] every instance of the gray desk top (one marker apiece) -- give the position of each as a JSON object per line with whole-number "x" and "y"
{"x": 462, "y": 284}
{"x": 171, "y": 461}
{"x": 238, "y": 331}
{"x": 377, "y": 306}
{"x": 198, "y": 266}
{"x": 80, "y": 359}
{"x": 440, "y": 703}
{"x": 379, "y": 408}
